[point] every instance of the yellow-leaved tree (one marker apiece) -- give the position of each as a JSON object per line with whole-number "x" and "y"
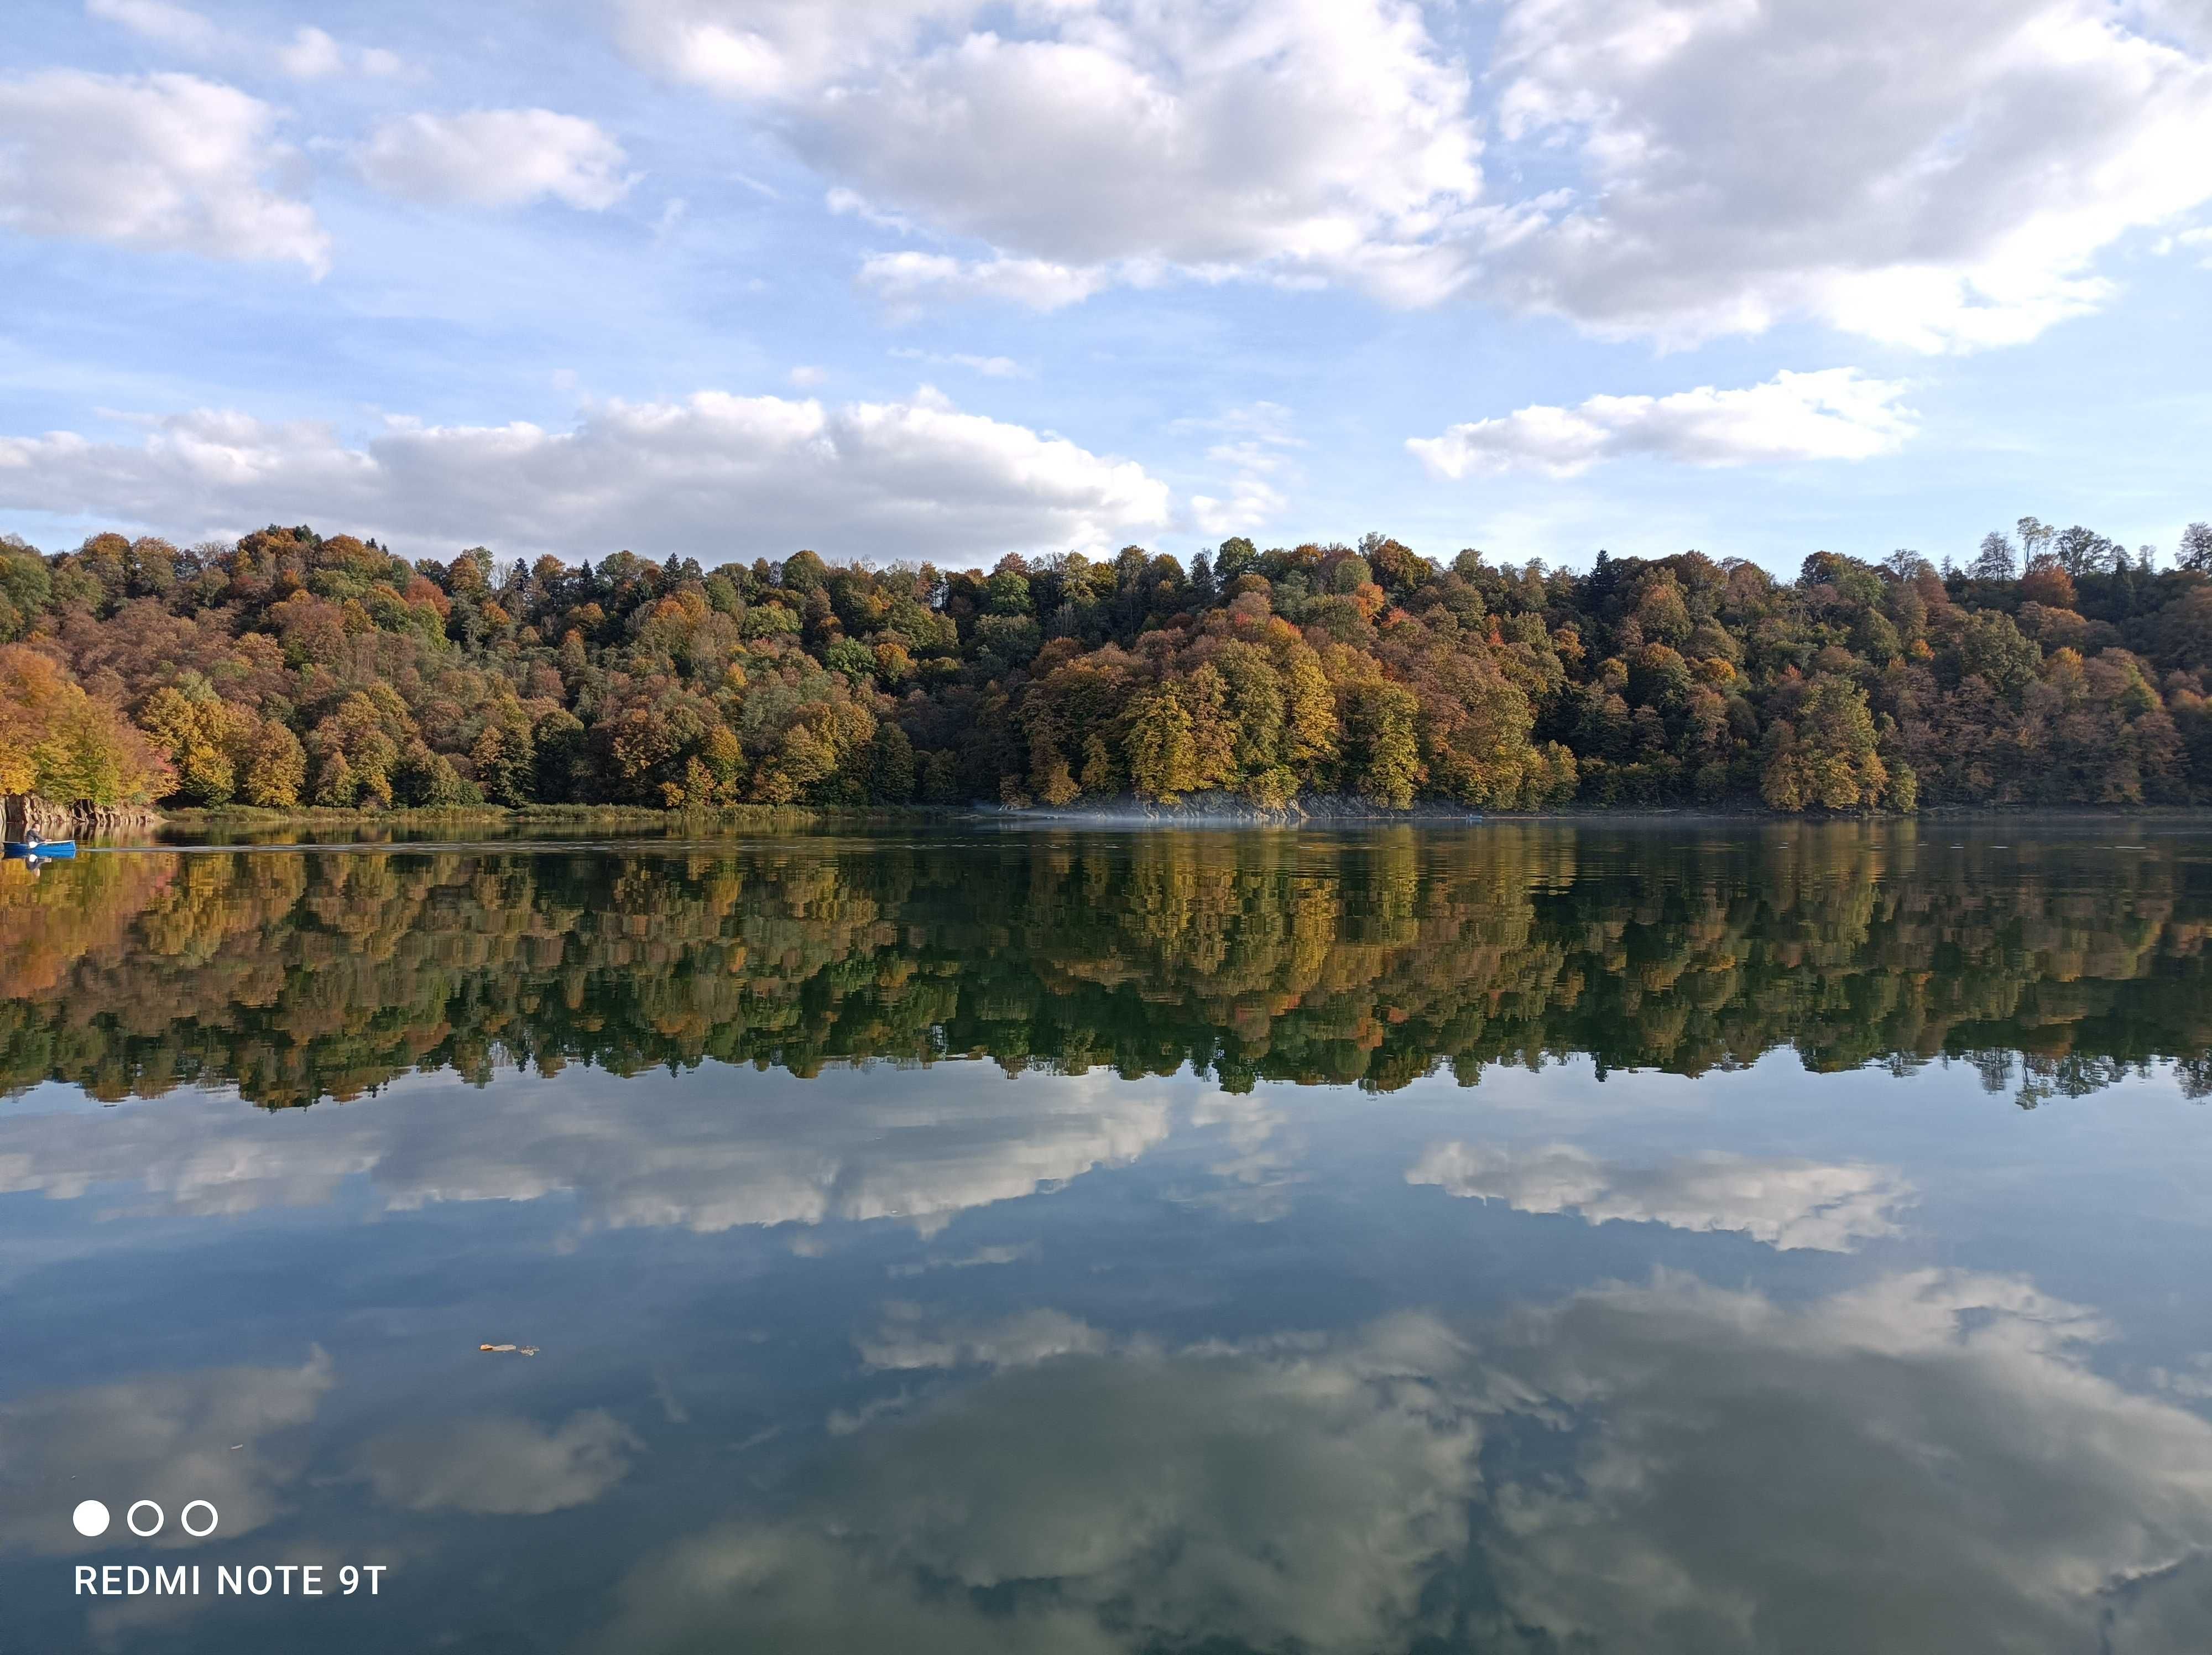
{"x": 62, "y": 745}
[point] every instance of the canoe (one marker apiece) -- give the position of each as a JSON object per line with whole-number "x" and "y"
{"x": 44, "y": 852}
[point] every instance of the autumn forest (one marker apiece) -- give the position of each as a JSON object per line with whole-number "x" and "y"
{"x": 291, "y": 669}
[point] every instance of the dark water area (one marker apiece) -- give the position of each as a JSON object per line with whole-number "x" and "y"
{"x": 1532, "y": 1236}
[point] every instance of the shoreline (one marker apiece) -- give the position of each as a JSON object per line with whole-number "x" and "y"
{"x": 247, "y": 826}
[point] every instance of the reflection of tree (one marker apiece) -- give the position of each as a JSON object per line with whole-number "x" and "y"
{"x": 1368, "y": 959}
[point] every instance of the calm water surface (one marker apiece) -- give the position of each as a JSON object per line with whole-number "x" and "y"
{"x": 1514, "y": 1238}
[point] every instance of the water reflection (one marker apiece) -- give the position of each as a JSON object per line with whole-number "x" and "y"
{"x": 1785, "y": 1200}
{"x": 843, "y": 1147}
{"x": 1133, "y": 1339}
{"x": 224, "y": 1435}
{"x": 1110, "y": 1496}
{"x": 1368, "y": 959}
{"x": 1922, "y": 1462}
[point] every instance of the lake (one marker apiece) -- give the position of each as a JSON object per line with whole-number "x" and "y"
{"x": 1526, "y": 1236}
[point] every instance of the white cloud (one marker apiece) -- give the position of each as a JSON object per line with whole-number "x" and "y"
{"x": 715, "y": 474}
{"x": 1940, "y": 177}
{"x": 1786, "y": 1202}
{"x": 1252, "y": 502}
{"x": 1257, "y": 457}
{"x": 1114, "y": 139}
{"x": 497, "y": 158}
{"x": 1836, "y": 413}
{"x": 806, "y": 377}
{"x": 158, "y": 21}
{"x": 313, "y": 55}
{"x": 905, "y": 280}
{"x": 165, "y": 161}
{"x": 1936, "y": 176}
{"x": 770, "y": 48}
{"x": 500, "y": 1466}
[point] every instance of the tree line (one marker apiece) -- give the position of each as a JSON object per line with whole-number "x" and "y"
{"x": 1372, "y": 958}
{"x": 293, "y": 669}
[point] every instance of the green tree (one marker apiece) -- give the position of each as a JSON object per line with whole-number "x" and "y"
{"x": 1828, "y": 757}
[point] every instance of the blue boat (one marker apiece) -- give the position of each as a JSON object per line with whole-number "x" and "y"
{"x": 40, "y": 850}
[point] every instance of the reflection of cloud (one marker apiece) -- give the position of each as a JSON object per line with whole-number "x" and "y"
{"x": 2191, "y": 1381}
{"x": 1784, "y": 1201}
{"x": 981, "y": 1255}
{"x": 1258, "y": 1175}
{"x": 165, "y": 1437}
{"x": 1260, "y": 1495}
{"x": 797, "y": 1589}
{"x": 500, "y": 1466}
{"x": 651, "y": 1151}
{"x": 1023, "y": 1341}
{"x": 1921, "y": 1463}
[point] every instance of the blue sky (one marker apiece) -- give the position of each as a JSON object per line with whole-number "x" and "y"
{"x": 926, "y": 278}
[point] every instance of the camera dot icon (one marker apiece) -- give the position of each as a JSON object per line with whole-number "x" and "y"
{"x": 91, "y": 1518}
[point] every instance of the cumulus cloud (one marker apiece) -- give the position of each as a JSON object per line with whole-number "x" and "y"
{"x": 163, "y": 1437}
{"x": 500, "y": 1466}
{"x": 635, "y": 1154}
{"x": 1786, "y": 1202}
{"x": 165, "y": 161}
{"x": 715, "y": 474}
{"x": 168, "y": 25}
{"x": 313, "y": 55}
{"x": 1322, "y": 137}
{"x": 1940, "y": 177}
{"x": 770, "y": 48}
{"x": 310, "y": 54}
{"x": 497, "y": 158}
{"x": 1836, "y": 413}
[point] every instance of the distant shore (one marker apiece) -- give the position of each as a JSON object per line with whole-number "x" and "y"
{"x": 1319, "y": 813}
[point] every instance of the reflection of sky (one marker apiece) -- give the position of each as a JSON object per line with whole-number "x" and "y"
{"x": 937, "y": 1359}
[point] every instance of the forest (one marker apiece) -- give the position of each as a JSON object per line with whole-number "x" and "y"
{"x": 290, "y": 669}
{"x": 1372, "y": 958}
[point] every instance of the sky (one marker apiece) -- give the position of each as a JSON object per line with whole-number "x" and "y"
{"x": 929, "y": 279}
